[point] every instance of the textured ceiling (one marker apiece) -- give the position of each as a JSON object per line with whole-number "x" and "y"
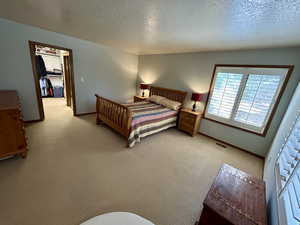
{"x": 165, "y": 26}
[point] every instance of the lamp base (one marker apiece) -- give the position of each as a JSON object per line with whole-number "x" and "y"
{"x": 194, "y": 107}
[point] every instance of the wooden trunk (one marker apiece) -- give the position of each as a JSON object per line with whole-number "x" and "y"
{"x": 12, "y": 133}
{"x": 235, "y": 198}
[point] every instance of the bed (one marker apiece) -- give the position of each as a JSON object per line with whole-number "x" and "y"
{"x": 137, "y": 120}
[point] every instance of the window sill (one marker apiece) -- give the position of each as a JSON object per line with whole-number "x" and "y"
{"x": 263, "y": 134}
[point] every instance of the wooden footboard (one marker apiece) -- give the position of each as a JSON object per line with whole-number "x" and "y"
{"x": 113, "y": 114}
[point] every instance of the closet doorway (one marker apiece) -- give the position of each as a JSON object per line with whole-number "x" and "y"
{"x": 52, "y": 68}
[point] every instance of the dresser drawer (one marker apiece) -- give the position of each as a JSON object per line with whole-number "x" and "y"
{"x": 12, "y": 132}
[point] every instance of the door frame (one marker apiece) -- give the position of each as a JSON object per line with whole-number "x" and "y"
{"x": 66, "y": 60}
{"x": 32, "y": 45}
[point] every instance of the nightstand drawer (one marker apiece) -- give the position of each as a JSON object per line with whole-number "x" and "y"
{"x": 186, "y": 114}
{"x": 186, "y": 127}
{"x": 186, "y": 124}
{"x": 188, "y": 119}
{"x": 139, "y": 99}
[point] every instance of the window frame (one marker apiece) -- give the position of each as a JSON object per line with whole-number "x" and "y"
{"x": 249, "y": 128}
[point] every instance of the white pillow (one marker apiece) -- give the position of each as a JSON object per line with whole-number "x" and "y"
{"x": 170, "y": 104}
{"x": 156, "y": 99}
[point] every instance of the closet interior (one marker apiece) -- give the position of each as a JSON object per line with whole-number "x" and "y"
{"x": 50, "y": 69}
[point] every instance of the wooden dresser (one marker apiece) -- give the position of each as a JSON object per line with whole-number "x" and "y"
{"x": 235, "y": 198}
{"x": 12, "y": 133}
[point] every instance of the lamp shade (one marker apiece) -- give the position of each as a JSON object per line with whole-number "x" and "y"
{"x": 144, "y": 86}
{"x": 197, "y": 97}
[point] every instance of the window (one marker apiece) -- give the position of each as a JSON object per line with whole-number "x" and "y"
{"x": 287, "y": 173}
{"x": 246, "y": 96}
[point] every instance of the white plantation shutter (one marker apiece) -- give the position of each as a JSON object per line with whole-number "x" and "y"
{"x": 244, "y": 97}
{"x": 287, "y": 173}
{"x": 257, "y": 98}
{"x": 224, "y": 94}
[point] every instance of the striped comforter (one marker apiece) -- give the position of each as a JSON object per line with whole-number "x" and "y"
{"x": 149, "y": 118}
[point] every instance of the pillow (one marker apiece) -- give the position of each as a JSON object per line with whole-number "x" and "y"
{"x": 170, "y": 104}
{"x": 156, "y": 99}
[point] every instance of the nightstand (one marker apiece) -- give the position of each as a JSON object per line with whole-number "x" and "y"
{"x": 139, "y": 98}
{"x": 189, "y": 121}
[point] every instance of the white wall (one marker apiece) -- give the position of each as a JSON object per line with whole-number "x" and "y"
{"x": 269, "y": 177}
{"x": 193, "y": 71}
{"x": 106, "y": 71}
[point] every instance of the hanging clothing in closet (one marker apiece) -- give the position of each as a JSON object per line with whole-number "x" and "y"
{"x": 46, "y": 87}
{"x": 49, "y": 69}
{"x": 58, "y": 92}
{"x": 40, "y": 66}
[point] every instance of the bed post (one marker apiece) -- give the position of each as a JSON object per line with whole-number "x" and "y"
{"x": 129, "y": 120}
{"x": 97, "y": 109}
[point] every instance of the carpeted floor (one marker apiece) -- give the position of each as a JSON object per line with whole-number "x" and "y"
{"x": 76, "y": 170}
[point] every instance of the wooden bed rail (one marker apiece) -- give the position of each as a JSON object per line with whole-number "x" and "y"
{"x": 115, "y": 115}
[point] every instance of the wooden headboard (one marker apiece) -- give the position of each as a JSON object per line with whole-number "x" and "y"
{"x": 171, "y": 94}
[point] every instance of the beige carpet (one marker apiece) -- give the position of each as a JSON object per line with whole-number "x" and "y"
{"x": 76, "y": 170}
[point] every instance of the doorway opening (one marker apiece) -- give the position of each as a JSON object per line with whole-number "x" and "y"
{"x": 52, "y": 68}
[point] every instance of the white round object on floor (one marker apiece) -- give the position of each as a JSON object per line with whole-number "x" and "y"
{"x": 117, "y": 218}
